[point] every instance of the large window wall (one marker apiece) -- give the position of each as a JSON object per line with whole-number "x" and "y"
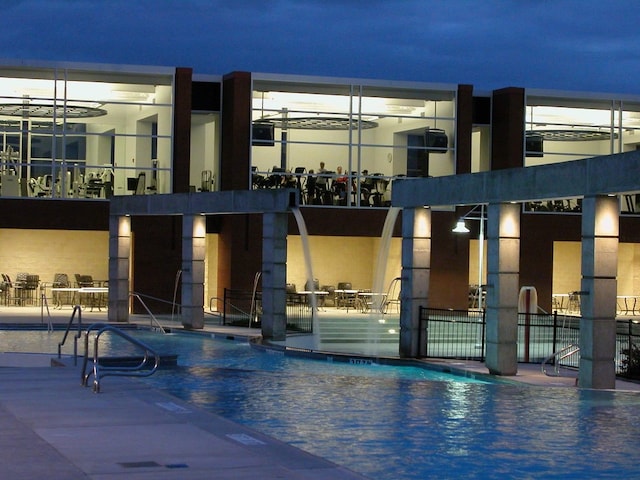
{"x": 343, "y": 144}
{"x": 68, "y": 133}
{"x": 562, "y": 129}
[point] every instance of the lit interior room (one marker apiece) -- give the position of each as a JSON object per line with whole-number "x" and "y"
{"x": 357, "y": 136}
{"x": 67, "y": 135}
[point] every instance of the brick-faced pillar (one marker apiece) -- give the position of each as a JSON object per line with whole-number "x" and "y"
{"x": 416, "y": 267}
{"x": 119, "y": 263}
{"x": 274, "y": 276}
{"x": 502, "y": 290}
{"x": 194, "y": 233}
{"x": 600, "y": 231}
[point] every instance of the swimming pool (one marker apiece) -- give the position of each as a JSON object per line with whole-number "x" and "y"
{"x": 405, "y": 423}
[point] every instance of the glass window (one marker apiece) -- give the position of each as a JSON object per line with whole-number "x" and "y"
{"x": 344, "y": 144}
{"x": 82, "y": 134}
{"x": 563, "y": 129}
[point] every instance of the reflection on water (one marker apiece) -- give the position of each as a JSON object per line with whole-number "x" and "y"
{"x": 395, "y": 423}
{"x": 408, "y": 423}
{"x": 403, "y": 428}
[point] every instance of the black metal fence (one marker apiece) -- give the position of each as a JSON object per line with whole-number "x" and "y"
{"x": 461, "y": 334}
{"x": 542, "y": 334}
{"x": 628, "y": 349}
{"x": 242, "y": 309}
{"x": 453, "y": 333}
{"x": 299, "y": 318}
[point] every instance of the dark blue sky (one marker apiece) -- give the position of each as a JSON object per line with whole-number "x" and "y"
{"x": 587, "y": 45}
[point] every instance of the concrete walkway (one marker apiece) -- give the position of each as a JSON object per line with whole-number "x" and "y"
{"x": 54, "y": 428}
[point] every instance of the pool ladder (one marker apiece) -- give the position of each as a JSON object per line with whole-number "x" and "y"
{"x": 557, "y": 357}
{"x": 143, "y": 369}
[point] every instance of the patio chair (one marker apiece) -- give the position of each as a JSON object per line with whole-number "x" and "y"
{"x": 393, "y": 296}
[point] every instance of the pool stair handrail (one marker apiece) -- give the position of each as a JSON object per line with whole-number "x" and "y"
{"x": 253, "y": 314}
{"x": 99, "y": 371}
{"x": 557, "y": 357}
{"x": 154, "y": 321}
{"x": 76, "y": 309}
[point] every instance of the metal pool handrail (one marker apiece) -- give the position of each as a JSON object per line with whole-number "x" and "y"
{"x": 153, "y": 318}
{"x": 99, "y": 371}
{"x": 561, "y": 354}
{"x": 78, "y": 309}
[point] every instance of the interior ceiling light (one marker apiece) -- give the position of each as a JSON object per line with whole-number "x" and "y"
{"x": 49, "y": 111}
{"x": 320, "y": 123}
{"x": 571, "y": 135}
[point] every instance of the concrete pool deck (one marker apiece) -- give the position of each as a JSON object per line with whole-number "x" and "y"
{"x": 56, "y": 429}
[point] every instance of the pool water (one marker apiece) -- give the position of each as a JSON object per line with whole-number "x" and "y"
{"x": 401, "y": 423}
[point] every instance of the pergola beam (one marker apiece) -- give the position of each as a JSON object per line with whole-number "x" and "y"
{"x": 597, "y": 180}
{"x": 604, "y": 175}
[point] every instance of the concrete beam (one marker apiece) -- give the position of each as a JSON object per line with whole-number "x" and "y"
{"x": 227, "y": 202}
{"x": 607, "y": 174}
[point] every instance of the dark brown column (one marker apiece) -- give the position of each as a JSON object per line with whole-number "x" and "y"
{"x": 182, "y": 130}
{"x": 464, "y": 127}
{"x": 507, "y": 140}
{"x": 449, "y": 286}
{"x": 240, "y": 245}
{"x": 157, "y": 257}
{"x": 239, "y": 252}
{"x": 236, "y": 131}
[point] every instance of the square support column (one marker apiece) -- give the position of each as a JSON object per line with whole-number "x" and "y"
{"x": 416, "y": 268}
{"x": 600, "y": 231}
{"x": 119, "y": 266}
{"x": 274, "y": 276}
{"x": 194, "y": 237}
{"x": 503, "y": 270}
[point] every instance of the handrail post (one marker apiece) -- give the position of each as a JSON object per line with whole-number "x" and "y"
{"x": 153, "y": 318}
{"x": 78, "y": 309}
{"x": 98, "y": 372}
{"x": 554, "y": 335}
{"x": 484, "y": 327}
{"x": 630, "y": 342}
{"x": 422, "y": 327}
{"x": 224, "y": 307}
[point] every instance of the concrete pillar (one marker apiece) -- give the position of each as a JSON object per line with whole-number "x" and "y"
{"x": 416, "y": 267}
{"x": 274, "y": 276}
{"x": 119, "y": 266}
{"x": 503, "y": 265}
{"x": 194, "y": 236}
{"x": 600, "y": 230}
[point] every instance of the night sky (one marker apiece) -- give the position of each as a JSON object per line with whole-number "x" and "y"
{"x": 587, "y": 45}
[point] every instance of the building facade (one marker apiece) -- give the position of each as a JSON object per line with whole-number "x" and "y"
{"x": 74, "y": 135}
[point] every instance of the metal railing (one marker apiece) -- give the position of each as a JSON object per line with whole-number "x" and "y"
{"x": 461, "y": 334}
{"x": 453, "y": 333}
{"x": 244, "y": 309}
{"x": 99, "y": 371}
{"x": 300, "y": 315}
{"x": 154, "y": 321}
{"x": 542, "y": 334}
{"x": 241, "y": 308}
{"x": 446, "y": 333}
{"x": 628, "y": 348}
{"x": 557, "y": 358}
{"x": 77, "y": 309}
